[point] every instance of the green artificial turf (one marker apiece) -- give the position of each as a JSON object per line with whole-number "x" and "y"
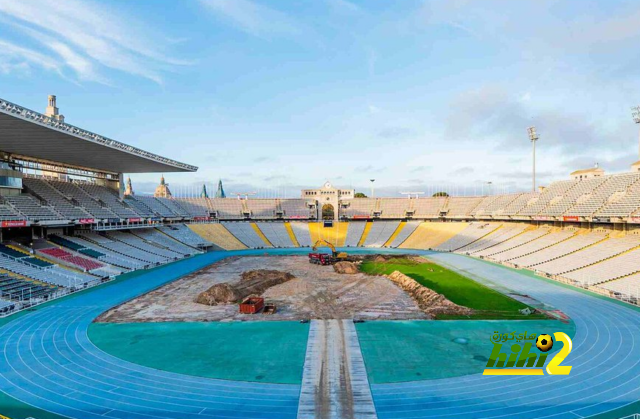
{"x": 487, "y": 303}
{"x": 270, "y": 352}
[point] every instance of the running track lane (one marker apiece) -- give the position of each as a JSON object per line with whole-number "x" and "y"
{"x": 49, "y": 362}
{"x": 605, "y": 360}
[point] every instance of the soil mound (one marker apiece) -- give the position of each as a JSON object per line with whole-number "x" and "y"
{"x": 428, "y": 300}
{"x": 251, "y": 283}
{"x": 344, "y": 267}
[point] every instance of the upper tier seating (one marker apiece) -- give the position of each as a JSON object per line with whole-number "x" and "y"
{"x": 9, "y": 213}
{"x": 88, "y": 203}
{"x": 427, "y": 207}
{"x": 109, "y": 197}
{"x": 194, "y": 208}
{"x": 611, "y": 186}
{"x": 62, "y": 205}
{"x": 276, "y": 233}
{"x": 393, "y": 207}
{"x": 496, "y": 206}
{"x": 579, "y": 190}
{"x": 552, "y": 193}
{"x": 519, "y": 204}
{"x": 470, "y": 234}
{"x": 295, "y": 208}
{"x": 31, "y": 208}
{"x": 156, "y": 206}
{"x": 185, "y": 235}
{"x": 228, "y": 208}
{"x": 360, "y": 207}
{"x": 599, "y": 251}
{"x": 380, "y": 232}
{"x": 622, "y": 204}
{"x": 558, "y": 250}
{"x": 139, "y": 207}
{"x": 461, "y": 206}
{"x": 262, "y": 208}
{"x": 175, "y": 207}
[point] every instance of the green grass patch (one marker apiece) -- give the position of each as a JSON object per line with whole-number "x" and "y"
{"x": 269, "y": 352}
{"x": 489, "y": 304}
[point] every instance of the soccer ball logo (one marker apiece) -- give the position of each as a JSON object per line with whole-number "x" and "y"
{"x": 544, "y": 343}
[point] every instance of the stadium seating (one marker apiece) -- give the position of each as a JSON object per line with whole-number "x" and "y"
{"x": 407, "y": 231}
{"x": 542, "y": 241}
{"x": 581, "y": 190}
{"x": 52, "y": 275}
{"x": 91, "y": 249}
{"x": 554, "y": 192}
{"x": 610, "y": 187}
{"x": 139, "y": 207}
{"x": 428, "y": 235}
{"x": 80, "y": 262}
{"x": 295, "y": 209}
{"x": 125, "y": 249}
{"x": 380, "y": 232}
{"x": 354, "y": 233}
{"x": 470, "y": 234}
{"x": 175, "y": 207}
{"x": 301, "y": 230}
{"x": 84, "y": 200}
{"x": 262, "y": 208}
{"x": 147, "y": 246}
{"x": 217, "y": 234}
{"x": 359, "y": 207}
{"x": 519, "y": 204}
{"x": 558, "y": 250}
{"x": 589, "y": 256}
{"x": 336, "y": 235}
{"x": 394, "y": 207}
{"x": 627, "y": 288}
{"x": 228, "y": 208}
{"x": 15, "y": 288}
{"x": 155, "y": 206}
{"x": 276, "y": 233}
{"x": 617, "y": 267}
{"x": 152, "y": 235}
{"x": 458, "y": 207}
{"x": 31, "y": 208}
{"x": 246, "y": 234}
{"x": 427, "y": 207}
{"x": 512, "y": 242}
{"x": 185, "y": 235}
{"x": 6, "y": 307}
{"x": 110, "y": 198}
{"x": 497, "y": 236}
{"x": 65, "y": 207}
{"x": 496, "y": 206}
{"x": 622, "y": 204}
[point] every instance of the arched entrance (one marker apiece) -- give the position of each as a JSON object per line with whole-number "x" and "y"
{"x": 328, "y": 212}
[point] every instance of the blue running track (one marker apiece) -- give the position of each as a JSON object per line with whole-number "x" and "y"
{"x": 48, "y": 362}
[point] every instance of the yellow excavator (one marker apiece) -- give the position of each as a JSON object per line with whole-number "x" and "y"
{"x": 324, "y": 259}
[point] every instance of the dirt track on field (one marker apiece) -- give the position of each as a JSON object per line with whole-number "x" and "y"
{"x": 316, "y": 292}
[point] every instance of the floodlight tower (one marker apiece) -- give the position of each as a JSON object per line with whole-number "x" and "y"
{"x": 372, "y": 180}
{"x": 533, "y": 136}
{"x": 635, "y": 112}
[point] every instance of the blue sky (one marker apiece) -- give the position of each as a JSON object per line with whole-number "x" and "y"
{"x": 273, "y": 96}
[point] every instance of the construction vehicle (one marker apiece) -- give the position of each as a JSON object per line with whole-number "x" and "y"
{"x": 324, "y": 258}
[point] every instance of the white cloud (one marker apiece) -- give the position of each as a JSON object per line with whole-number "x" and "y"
{"x": 253, "y": 18}
{"x": 87, "y": 38}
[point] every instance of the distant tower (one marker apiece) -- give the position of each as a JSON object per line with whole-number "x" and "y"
{"x": 220, "y": 192}
{"x": 52, "y": 110}
{"x": 204, "y": 193}
{"x": 129, "y": 188}
{"x": 162, "y": 191}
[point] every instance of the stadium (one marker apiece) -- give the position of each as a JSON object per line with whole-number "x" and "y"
{"x": 117, "y": 304}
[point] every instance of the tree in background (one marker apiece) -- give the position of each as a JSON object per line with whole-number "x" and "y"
{"x": 359, "y": 195}
{"x": 437, "y": 194}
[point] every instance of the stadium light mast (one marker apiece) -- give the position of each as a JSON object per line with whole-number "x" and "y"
{"x": 372, "y": 190}
{"x": 533, "y": 136}
{"x": 635, "y": 112}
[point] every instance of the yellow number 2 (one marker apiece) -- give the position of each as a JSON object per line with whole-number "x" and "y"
{"x": 554, "y": 366}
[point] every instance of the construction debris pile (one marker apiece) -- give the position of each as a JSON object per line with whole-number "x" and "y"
{"x": 428, "y": 300}
{"x": 345, "y": 267}
{"x": 252, "y": 283}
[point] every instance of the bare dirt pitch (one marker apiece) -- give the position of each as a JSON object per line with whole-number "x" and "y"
{"x": 317, "y": 292}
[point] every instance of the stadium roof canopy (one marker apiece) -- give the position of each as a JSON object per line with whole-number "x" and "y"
{"x": 27, "y": 133}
